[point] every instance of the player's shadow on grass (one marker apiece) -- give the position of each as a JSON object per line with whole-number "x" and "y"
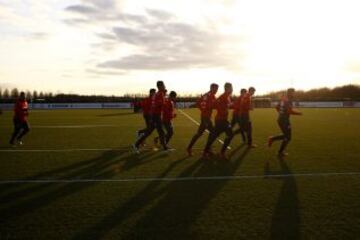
{"x": 142, "y": 199}
{"x": 131, "y": 163}
{"x": 22, "y": 198}
{"x": 168, "y": 209}
{"x": 286, "y": 219}
{"x": 237, "y": 149}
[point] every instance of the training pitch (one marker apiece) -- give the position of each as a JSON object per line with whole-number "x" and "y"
{"x": 77, "y": 178}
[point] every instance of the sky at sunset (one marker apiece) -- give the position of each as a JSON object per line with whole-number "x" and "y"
{"x": 124, "y": 46}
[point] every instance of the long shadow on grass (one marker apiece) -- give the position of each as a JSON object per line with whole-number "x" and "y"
{"x": 174, "y": 206}
{"x": 20, "y": 199}
{"x": 286, "y": 218}
{"x": 149, "y": 194}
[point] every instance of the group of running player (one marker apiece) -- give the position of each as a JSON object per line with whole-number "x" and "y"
{"x": 159, "y": 111}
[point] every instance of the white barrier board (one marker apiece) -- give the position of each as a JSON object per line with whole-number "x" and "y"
{"x": 128, "y": 105}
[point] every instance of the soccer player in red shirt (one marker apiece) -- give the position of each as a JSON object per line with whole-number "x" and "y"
{"x": 20, "y": 120}
{"x": 146, "y": 108}
{"x": 285, "y": 109}
{"x": 206, "y": 105}
{"x": 168, "y": 115}
{"x": 245, "y": 122}
{"x": 157, "y": 104}
{"x": 222, "y": 105}
{"x": 236, "y": 114}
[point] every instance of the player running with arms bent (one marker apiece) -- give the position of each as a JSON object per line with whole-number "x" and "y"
{"x": 206, "y": 105}
{"x": 21, "y": 125}
{"x": 236, "y": 114}
{"x": 146, "y": 108}
{"x": 245, "y": 122}
{"x": 285, "y": 109}
{"x": 168, "y": 115}
{"x": 157, "y": 105}
{"x": 222, "y": 105}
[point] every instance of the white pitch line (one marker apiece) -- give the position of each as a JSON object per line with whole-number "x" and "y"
{"x": 71, "y": 126}
{"x": 64, "y": 150}
{"x": 73, "y": 150}
{"x": 74, "y": 126}
{"x": 194, "y": 121}
{"x": 183, "y": 179}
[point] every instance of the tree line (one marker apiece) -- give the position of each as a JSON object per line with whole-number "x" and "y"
{"x": 343, "y": 93}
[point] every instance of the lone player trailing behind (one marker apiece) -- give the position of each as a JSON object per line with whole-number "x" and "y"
{"x": 285, "y": 109}
{"x": 206, "y": 105}
{"x": 20, "y": 120}
{"x": 157, "y": 105}
{"x": 245, "y": 122}
{"x": 222, "y": 105}
{"x": 236, "y": 114}
{"x": 168, "y": 115}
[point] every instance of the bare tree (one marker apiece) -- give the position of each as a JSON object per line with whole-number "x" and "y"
{"x": 14, "y": 93}
{"x": 6, "y": 94}
{"x": 28, "y": 94}
{"x": 35, "y": 94}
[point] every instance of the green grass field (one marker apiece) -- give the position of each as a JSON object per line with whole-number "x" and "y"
{"x": 298, "y": 206}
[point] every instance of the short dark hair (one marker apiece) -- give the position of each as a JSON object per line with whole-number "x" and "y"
{"x": 227, "y": 85}
{"x": 213, "y": 85}
{"x": 22, "y": 93}
{"x": 252, "y": 89}
{"x": 160, "y": 84}
{"x": 243, "y": 90}
{"x": 152, "y": 90}
{"x": 173, "y": 94}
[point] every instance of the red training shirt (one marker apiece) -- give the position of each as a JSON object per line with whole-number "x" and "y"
{"x": 246, "y": 104}
{"x": 146, "y": 105}
{"x": 168, "y": 110}
{"x": 285, "y": 107}
{"x": 237, "y": 105}
{"x": 157, "y": 102}
{"x": 222, "y": 105}
{"x": 206, "y": 104}
{"x": 21, "y": 110}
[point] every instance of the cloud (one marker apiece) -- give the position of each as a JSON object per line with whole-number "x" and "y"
{"x": 147, "y": 62}
{"x": 104, "y": 4}
{"x": 75, "y": 21}
{"x": 159, "y": 14}
{"x": 107, "y": 36}
{"x": 158, "y": 40}
{"x": 104, "y": 72}
{"x": 81, "y": 9}
{"x": 38, "y": 35}
{"x": 98, "y": 12}
{"x": 173, "y": 45}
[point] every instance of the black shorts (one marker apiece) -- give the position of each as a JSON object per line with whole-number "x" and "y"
{"x": 18, "y": 124}
{"x": 285, "y": 127}
{"x": 205, "y": 124}
{"x": 244, "y": 120}
{"x": 168, "y": 126}
{"x": 147, "y": 119}
{"x": 223, "y": 126}
{"x": 235, "y": 119}
{"x": 156, "y": 121}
